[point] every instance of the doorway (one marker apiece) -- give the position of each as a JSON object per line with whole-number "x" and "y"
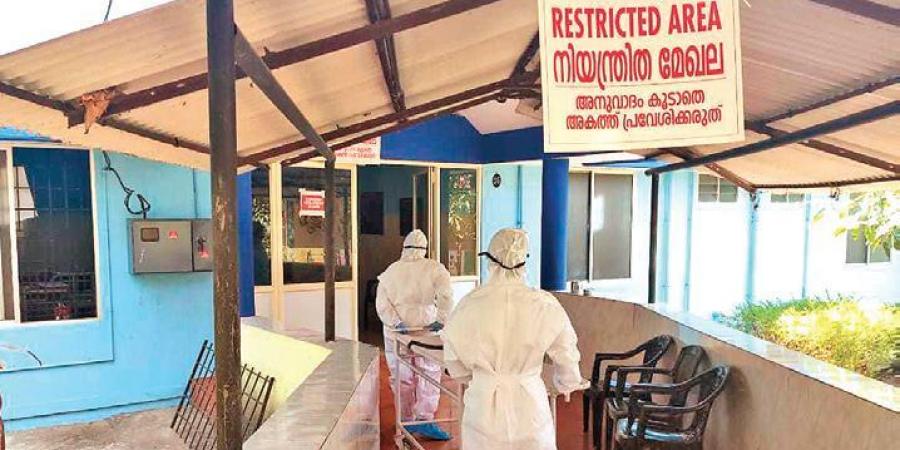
{"x": 393, "y": 200}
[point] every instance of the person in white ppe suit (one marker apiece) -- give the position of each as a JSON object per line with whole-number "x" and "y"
{"x": 497, "y": 337}
{"x": 414, "y": 292}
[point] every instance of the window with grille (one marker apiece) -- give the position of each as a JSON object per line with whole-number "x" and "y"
{"x": 859, "y": 252}
{"x": 713, "y": 189}
{"x": 787, "y": 197}
{"x": 47, "y": 242}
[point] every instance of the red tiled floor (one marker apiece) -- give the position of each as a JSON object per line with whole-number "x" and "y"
{"x": 569, "y": 435}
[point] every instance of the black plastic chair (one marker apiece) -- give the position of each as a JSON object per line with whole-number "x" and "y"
{"x": 686, "y": 364}
{"x": 654, "y": 426}
{"x": 595, "y": 396}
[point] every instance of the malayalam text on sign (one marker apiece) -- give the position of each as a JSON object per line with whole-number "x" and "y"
{"x": 631, "y": 74}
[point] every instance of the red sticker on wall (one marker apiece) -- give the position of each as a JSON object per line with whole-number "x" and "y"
{"x": 173, "y": 234}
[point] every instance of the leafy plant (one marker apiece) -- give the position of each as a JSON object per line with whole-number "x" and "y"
{"x": 874, "y": 216}
{"x": 861, "y": 337}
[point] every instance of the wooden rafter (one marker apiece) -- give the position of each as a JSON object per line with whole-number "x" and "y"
{"x": 833, "y": 149}
{"x": 370, "y": 124}
{"x": 861, "y": 90}
{"x": 832, "y": 126}
{"x": 866, "y": 8}
{"x": 111, "y": 122}
{"x": 380, "y": 10}
{"x": 832, "y": 184}
{"x": 688, "y": 154}
{"x": 167, "y": 91}
{"x": 399, "y": 126}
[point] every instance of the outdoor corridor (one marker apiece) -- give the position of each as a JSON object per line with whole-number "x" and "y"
{"x": 569, "y": 435}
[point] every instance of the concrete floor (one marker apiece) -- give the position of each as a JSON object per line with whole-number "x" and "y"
{"x": 138, "y": 431}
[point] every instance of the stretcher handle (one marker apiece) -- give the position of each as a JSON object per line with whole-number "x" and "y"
{"x": 423, "y": 345}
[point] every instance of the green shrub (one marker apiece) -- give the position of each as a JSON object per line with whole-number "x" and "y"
{"x": 860, "y": 337}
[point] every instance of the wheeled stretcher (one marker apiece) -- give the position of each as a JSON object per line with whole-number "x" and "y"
{"x": 421, "y": 343}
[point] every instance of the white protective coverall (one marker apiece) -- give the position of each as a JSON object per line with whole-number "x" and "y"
{"x": 498, "y": 336}
{"x": 414, "y": 291}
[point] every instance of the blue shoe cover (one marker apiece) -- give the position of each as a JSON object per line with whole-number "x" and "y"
{"x": 430, "y": 431}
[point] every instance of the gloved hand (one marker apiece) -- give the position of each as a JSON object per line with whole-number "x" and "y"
{"x": 434, "y": 326}
{"x": 401, "y": 328}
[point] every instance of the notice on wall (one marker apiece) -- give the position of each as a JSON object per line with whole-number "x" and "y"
{"x": 368, "y": 151}
{"x": 631, "y": 74}
{"x": 312, "y": 203}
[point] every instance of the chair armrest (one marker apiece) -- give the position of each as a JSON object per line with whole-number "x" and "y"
{"x": 600, "y": 357}
{"x": 622, "y": 376}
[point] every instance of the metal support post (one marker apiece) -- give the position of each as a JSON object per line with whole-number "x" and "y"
{"x": 223, "y": 145}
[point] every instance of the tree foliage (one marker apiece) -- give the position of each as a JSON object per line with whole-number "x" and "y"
{"x": 873, "y": 216}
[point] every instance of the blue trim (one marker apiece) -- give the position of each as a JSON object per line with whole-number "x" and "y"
{"x": 554, "y": 221}
{"x": 665, "y": 224}
{"x": 15, "y": 134}
{"x": 807, "y": 222}
{"x": 245, "y": 245}
{"x": 691, "y": 204}
{"x": 752, "y": 227}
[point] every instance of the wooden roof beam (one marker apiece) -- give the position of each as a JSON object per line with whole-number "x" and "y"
{"x": 831, "y": 126}
{"x": 866, "y": 8}
{"x": 66, "y": 108}
{"x": 254, "y": 66}
{"x": 376, "y": 122}
{"x": 399, "y": 126}
{"x": 689, "y": 154}
{"x": 835, "y": 150}
{"x": 167, "y": 91}
{"x": 380, "y": 10}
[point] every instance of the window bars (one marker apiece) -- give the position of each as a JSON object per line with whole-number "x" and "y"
{"x": 195, "y": 417}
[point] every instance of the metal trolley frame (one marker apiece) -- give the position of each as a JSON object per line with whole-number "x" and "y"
{"x": 419, "y": 343}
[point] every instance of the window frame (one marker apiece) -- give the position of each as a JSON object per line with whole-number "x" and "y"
{"x": 590, "y": 241}
{"x": 868, "y": 259}
{"x": 717, "y": 203}
{"x": 435, "y": 213}
{"x": 16, "y": 321}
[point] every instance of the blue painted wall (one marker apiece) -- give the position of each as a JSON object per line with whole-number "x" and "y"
{"x": 515, "y": 204}
{"x": 445, "y": 139}
{"x": 140, "y": 350}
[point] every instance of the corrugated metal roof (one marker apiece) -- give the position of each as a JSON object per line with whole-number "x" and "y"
{"x": 795, "y": 53}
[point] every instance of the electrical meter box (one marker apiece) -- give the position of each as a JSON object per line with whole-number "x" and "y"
{"x": 170, "y": 245}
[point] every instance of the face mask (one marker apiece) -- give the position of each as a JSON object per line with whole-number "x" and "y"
{"x": 492, "y": 258}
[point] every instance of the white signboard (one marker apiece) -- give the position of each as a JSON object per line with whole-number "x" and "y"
{"x": 364, "y": 152}
{"x": 312, "y": 203}
{"x": 629, "y": 74}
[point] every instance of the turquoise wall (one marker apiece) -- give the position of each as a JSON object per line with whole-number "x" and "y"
{"x": 514, "y": 204}
{"x": 139, "y": 352}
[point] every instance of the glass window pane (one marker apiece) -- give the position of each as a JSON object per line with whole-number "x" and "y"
{"x": 611, "y": 212}
{"x": 856, "y": 249}
{"x": 262, "y": 227}
{"x": 304, "y": 254}
{"x": 578, "y": 225}
{"x": 727, "y": 192}
{"x": 879, "y": 255}
{"x": 55, "y": 242}
{"x": 459, "y": 204}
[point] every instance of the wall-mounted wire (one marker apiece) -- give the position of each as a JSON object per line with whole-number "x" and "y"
{"x": 144, "y": 203}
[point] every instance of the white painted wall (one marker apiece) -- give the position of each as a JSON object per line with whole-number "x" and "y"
{"x": 305, "y": 309}
{"x": 829, "y": 274}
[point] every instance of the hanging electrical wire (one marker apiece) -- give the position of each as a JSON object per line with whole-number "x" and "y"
{"x": 108, "y": 9}
{"x": 144, "y": 203}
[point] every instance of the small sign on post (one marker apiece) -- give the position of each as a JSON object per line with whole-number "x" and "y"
{"x": 312, "y": 203}
{"x": 631, "y": 74}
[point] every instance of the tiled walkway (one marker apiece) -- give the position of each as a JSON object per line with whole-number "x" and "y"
{"x": 569, "y": 433}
